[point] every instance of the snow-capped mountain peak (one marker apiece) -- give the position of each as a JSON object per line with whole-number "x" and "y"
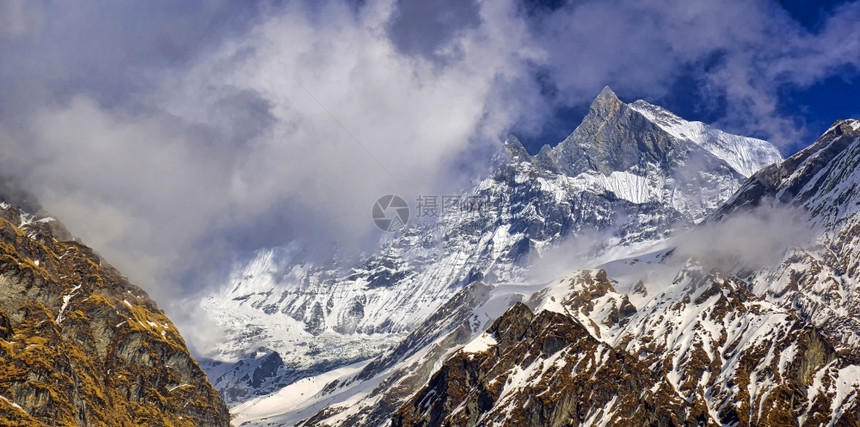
{"x": 618, "y": 175}
{"x": 615, "y": 136}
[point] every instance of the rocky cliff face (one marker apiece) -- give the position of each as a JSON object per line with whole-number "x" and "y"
{"x": 544, "y": 369}
{"x": 821, "y": 282}
{"x": 79, "y": 344}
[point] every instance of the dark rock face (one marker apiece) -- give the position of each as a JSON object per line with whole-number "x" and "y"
{"x": 613, "y": 137}
{"x": 80, "y": 345}
{"x": 616, "y": 137}
{"x": 546, "y": 369}
{"x": 269, "y": 366}
{"x": 316, "y": 323}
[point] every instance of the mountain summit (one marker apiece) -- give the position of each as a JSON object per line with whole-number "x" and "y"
{"x": 287, "y": 321}
{"x": 615, "y": 136}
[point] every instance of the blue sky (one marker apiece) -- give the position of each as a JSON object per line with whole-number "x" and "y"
{"x": 176, "y": 136}
{"x": 811, "y": 107}
{"x": 817, "y": 106}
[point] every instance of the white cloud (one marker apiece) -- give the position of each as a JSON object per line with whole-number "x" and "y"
{"x": 289, "y": 131}
{"x": 352, "y": 118}
{"x": 746, "y": 240}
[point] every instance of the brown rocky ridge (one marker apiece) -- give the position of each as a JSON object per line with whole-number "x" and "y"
{"x": 79, "y": 344}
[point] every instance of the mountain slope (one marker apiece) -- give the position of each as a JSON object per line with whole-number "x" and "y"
{"x": 541, "y": 369}
{"x": 821, "y": 281}
{"x": 79, "y": 345}
{"x": 743, "y": 154}
{"x": 761, "y": 344}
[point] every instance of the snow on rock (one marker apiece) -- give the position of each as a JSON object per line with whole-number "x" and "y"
{"x": 66, "y": 299}
{"x": 480, "y": 344}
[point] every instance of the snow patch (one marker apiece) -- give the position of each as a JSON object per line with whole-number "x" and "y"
{"x": 480, "y": 344}
{"x": 66, "y": 299}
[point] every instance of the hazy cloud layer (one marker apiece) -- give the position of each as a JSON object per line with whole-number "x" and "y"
{"x": 173, "y": 135}
{"x": 746, "y": 240}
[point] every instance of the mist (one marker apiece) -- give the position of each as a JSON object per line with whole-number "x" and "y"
{"x": 574, "y": 252}
{"x": 746, "y": 241}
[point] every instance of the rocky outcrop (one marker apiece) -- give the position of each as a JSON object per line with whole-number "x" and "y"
{"x": 80, "y": 345}
{"x": 544, "y": 369}
{"x": 747, "y": 361}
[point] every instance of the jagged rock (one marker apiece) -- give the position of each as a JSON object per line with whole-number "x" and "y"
{"x": 704, "y": 352}
{"x": 544, "y": 369}
{"x": 821, "y": 282}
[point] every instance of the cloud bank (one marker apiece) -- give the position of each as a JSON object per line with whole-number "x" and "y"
{"x": 746, "y": 241}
